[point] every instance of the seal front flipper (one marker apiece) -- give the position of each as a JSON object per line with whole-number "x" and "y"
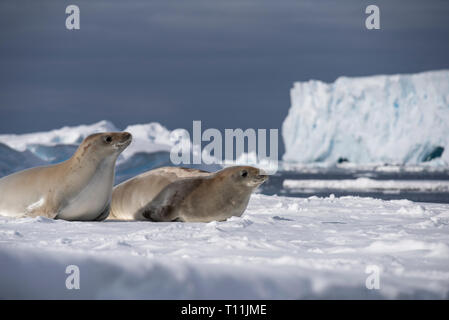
{"x": 160, "y": 213}
{"x": 165, "y": 206}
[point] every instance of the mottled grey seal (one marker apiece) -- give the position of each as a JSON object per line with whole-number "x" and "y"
{"x": 188, "y": 195}
{"x": 79, "y": 188}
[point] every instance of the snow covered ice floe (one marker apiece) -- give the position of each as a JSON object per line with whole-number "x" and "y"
{"x": 402, "y": 119}
{"x": 281, "y": 248}
{"x": 367, "y": 185}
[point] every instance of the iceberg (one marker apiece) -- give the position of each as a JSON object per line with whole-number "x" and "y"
{"x": 394, "y": 119}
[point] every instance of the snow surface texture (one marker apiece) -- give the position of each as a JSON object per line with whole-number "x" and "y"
{"x": 400, "y": 119}
{"x": 281, "y": 248}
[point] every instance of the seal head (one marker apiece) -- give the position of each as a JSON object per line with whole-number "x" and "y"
{"x": 245, "y": 176}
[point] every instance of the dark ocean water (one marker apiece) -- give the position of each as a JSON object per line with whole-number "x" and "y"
{"x": 274, "y": 186}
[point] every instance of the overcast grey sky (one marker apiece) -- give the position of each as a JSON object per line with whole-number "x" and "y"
{"x": 228, "y": 63}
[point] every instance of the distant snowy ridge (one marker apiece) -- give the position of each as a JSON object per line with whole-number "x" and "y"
{"x": 401, "y": 119}
{"x": 150, "y": 148}
{"x": 151, "y": 137}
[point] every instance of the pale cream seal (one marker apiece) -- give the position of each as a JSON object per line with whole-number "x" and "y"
{"x": 77, "y": 189}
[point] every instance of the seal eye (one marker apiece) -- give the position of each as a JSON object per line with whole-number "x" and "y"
{"x": 244, "y": 173}
{"x": 108, "y": 139}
